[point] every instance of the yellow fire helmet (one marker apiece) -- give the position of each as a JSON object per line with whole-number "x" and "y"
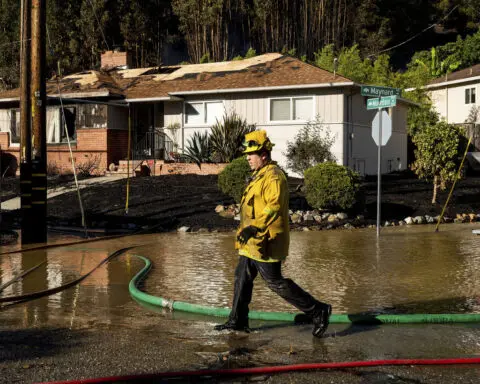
{"x": 257, "y": 140}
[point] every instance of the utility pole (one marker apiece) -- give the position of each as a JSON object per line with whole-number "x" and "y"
{"x": 25, "y": 125}
{"x": 38, "y": 99}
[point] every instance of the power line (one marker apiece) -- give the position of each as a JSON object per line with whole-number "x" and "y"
{"x": 416, "y": 35}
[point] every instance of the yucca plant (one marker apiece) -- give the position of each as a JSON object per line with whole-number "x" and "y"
{"x": 227, "y": 135}
{"x": 198, "y": 148}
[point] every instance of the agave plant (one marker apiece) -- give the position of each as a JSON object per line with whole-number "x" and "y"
{"x": 198, "y": 148}
{"x": 227, "y": 135}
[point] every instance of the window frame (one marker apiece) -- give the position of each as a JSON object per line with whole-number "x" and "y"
{"x": 59, "y": 126}
{"x": 470, "y": 95}
{"x": 13, "y": 115}
{"x": 204, "y": 109}
{"x": 291, "y": 99}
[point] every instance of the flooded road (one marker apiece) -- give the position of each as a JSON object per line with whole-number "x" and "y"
{"x": 409, "y": 270}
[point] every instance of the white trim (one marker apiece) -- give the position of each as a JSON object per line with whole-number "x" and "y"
{"x": 291, "y": 98}
{"x": 13, "y": 111}
{"x": 299, "y": 123}
{"x": 449, "y": 82}
{"x": 470, "y": 95}
{"x": 258, "y": 89}
{"x": 9, "y": 99}
{"x": 148, "y": 99}
{"x": 80, "y": 94}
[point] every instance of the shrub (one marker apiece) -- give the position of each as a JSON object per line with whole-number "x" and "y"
{"x": 437, "y": 149}
{"x": 226, "y": 137}
{"x": 89, "y": 166}
{"x": 198, "y": 148}
{"x": 231, "y": 180}
{"x": 329, "y": 185}
{"x": 311, "y": 146}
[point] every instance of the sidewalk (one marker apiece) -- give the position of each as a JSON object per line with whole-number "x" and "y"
{"x": 14, "y": 204}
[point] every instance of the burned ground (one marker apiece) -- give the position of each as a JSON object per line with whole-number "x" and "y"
{"x": 165, "y": 203}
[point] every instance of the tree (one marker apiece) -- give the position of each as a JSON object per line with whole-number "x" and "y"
{"x": 437, "y": 148}
{"x": 311, "y": 146}
{"x": 9, "y": 41}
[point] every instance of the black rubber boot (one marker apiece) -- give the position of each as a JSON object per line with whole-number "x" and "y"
{"x": 232, "y": 325}
{"x": 321, "y": 319}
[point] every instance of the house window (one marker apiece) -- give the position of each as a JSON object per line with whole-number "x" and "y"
{"x": 201, "y": 113}
{"x": 14, "y": 126}
{"x": 60, "y": 124}
{"x": 291, "y": 108}
{"x": 470, "y": 96}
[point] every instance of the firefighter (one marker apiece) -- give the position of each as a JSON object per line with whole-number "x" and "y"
{"x": 262, "y": 240}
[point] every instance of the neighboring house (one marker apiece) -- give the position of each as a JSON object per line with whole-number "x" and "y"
{"x": 454, "y": 96}
{"x": 168, "y": 104}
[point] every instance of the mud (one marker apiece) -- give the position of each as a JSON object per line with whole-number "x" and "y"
{"x": 166, "y": 203}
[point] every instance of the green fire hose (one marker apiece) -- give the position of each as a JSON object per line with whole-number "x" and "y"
{"x": 157, "y": 301}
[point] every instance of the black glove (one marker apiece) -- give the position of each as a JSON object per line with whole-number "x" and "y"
{"x": 246, "y": 234}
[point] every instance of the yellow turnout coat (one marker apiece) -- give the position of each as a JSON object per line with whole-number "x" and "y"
{"x": 264, "y": 205}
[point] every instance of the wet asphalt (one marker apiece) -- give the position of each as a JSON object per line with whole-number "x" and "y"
{"x": 160, "y": 342}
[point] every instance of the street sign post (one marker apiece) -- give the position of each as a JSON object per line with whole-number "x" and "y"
{"x": 384, "y": 97}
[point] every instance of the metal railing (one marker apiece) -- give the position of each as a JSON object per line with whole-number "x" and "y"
{"x": 152, "y": 145}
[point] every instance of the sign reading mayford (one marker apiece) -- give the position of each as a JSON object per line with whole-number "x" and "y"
{"x": 375, "y": 91}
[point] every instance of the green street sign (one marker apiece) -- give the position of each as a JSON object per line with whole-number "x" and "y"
{"x": 382, "y": 102}
{"x": 374, "y": 91}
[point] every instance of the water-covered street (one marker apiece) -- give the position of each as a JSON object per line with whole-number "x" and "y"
{"x": 87, "y": 330}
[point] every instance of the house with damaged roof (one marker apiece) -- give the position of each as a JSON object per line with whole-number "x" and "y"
{"x": 167, "y": 104}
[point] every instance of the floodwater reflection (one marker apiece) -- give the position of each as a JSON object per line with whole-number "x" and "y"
{"x": 407, "y": 270}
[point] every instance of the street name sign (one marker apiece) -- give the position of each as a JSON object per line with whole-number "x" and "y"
{"x": 385, "y": 125}
{"x": 382, "y": 102}
{"x": 375, "y": 91}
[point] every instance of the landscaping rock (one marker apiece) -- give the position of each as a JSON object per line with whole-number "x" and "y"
{"x": 296, "y": 218}
{"x": 418, "y": 220}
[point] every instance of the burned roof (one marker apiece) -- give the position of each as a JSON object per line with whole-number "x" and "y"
{"x": 264, "y": 71}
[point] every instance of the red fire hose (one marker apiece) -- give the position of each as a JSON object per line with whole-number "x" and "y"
{"x": 272, "y": 369}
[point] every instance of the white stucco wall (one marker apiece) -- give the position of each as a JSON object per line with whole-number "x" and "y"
{"x": 449, "y": 101}
{"x": 332, "y": 105}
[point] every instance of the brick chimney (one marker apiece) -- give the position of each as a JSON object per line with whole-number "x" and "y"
{"x": 114, "y": 59}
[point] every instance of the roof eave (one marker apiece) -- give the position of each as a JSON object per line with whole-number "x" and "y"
{"x": 447, "y": 83}
{"x": 152, "y": 99}
{"x": 260, "y": 89}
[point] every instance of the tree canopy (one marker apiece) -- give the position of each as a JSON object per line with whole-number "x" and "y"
{"x": 170, "y": 31}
